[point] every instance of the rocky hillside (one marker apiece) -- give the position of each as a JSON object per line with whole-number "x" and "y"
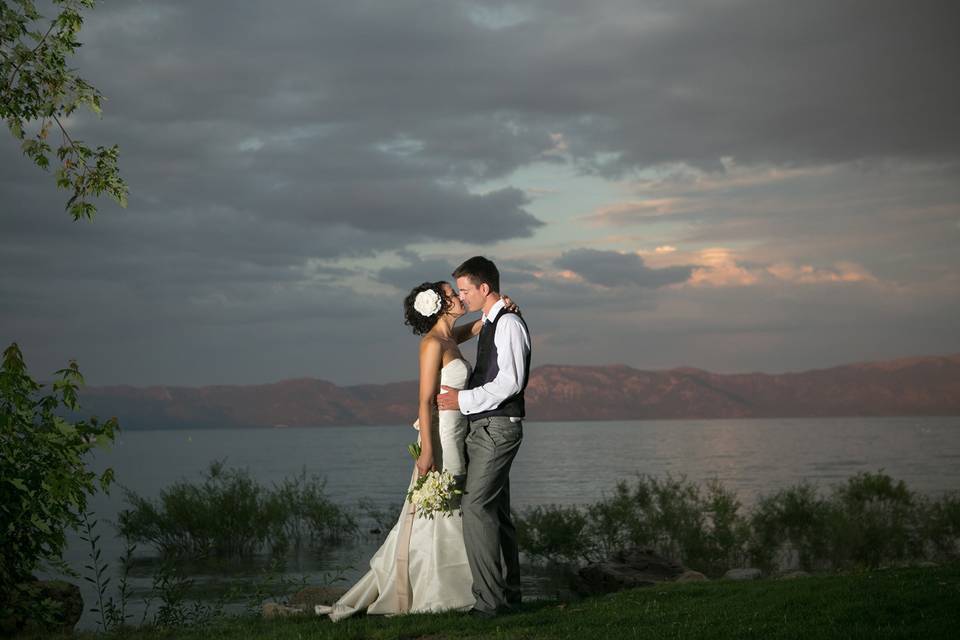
{"x": 910, "y": 386}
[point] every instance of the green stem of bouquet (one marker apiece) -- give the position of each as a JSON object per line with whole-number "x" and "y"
{"x": 414, "y": 449}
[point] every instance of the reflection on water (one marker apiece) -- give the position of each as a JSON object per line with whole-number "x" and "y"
{"x": 562, "y": 463}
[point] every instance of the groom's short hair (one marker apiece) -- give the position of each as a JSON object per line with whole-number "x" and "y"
{"x": 480, "y": 270}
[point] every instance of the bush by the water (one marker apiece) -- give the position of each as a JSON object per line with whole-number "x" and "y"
{"x": 702, "y": 525}
{"x": 868, "y": 521}
{"x": 44, "y": 482}
{"x": 231, "y": 515}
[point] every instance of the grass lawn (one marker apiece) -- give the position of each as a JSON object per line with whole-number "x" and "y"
{"x": 891, "y": 603}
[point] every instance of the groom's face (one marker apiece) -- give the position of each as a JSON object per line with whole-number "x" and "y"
{"x": 470, "y": 294}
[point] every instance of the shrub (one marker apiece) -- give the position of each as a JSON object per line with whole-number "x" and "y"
{"x": 554, "y": 533}
{"x": 790, "y": 528}
{"x": 617, "y": 523}
{"x": 307, "y": 515}
{"x": 702, "y": 528}
{"x": 672, "y": 516}
{"x": 230, "y": 515}
{"x": 874, "y": 519}
{"x": 227, "y": 515}
{"x": 870, "y": 520}
{"x": 44, "y": 482}
{"x": 727, "y": 532}
{"x": 941, "y": 526}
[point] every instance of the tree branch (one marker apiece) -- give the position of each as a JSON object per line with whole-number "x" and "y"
{"x": 33, "y": 51}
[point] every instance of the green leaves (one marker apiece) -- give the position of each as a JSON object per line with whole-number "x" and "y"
{"x": 43, "y": 480}
{"x": 38, "y": 91}
{"x": 44, "y": 483}
{"x": 230, "y": 514}
{"x": 414, "y": 450}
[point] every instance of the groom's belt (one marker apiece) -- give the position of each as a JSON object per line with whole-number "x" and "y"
{"x": 512, "y": 407}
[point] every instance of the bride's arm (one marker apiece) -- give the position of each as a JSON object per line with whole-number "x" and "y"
{"x": 430, "y": 361}
{"x": 467, "y": 331}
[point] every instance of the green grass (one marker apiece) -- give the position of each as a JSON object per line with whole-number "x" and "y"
{"x": 891, "y": 603}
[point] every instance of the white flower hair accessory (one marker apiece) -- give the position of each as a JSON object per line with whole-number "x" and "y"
{"x": 427, "y": 303}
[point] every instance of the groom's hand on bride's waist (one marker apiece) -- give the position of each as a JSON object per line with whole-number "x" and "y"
{"x": 448, "y": 399}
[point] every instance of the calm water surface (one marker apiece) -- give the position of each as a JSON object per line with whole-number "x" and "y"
{"x": 559, "y": 462}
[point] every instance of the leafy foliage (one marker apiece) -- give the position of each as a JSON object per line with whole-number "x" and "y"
{"x": 231, "y": 515}
{"x": 792, "y": 521}
{"x": 44, "y": 482}
{"x": 39, "y": 91}
{"x": 553, "y": 532}
{"x": 701, "y": 525}
{"x": 876, "y": 520}
{"x": 309, "y": 516}
{"x": 941, "y": 526}
{"x": 868, "y": 521}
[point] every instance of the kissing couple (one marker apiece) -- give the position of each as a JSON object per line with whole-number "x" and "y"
{"x": 471, "y": 425}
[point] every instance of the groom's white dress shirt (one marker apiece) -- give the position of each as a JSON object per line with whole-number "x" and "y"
{"x": 513, "y": 344}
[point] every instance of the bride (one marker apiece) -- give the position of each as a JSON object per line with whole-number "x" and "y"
{"x": 422, "y": 565}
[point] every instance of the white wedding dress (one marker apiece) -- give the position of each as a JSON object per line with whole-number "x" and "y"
{"x": 422, "y": 565}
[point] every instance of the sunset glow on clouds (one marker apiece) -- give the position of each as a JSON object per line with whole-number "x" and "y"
{"x": 720, "y": 268}
{"x": 660, "y": 183}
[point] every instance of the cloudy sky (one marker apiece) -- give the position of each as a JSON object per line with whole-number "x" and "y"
{"x": 738, "y": 185}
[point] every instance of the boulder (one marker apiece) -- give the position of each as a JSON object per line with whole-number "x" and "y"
{"x": 309, "y": 597}
{"x": 691, "y": 576}
{"x": 628, "y": 570}
{"x": 65, "y": 594}
{"x": 747, "y": 573}
{"x": 277, "y": 610}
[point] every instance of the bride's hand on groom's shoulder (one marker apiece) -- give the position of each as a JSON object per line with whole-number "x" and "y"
{"x": 510, "y": 304}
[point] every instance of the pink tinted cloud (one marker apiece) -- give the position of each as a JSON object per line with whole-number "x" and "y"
{"x": 720, "y": 268}
{"x": 807, "y": 274}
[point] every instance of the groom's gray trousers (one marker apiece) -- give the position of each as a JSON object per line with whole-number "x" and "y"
{"x": 488, "y": 531}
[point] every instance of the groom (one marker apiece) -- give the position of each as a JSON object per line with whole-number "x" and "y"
{"x": 493, "y": 403}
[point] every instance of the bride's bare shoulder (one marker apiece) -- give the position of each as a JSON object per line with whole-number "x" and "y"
{"x": 430, "y": 346}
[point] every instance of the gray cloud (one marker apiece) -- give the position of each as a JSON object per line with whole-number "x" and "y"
{"x": 762, "y": 82}
{"x": 514, "y": 273}
{"x": 736, "y": 329}
{"x": 612, "y": 269}
{"x": 897, "y": 220}
{"x": 647, "y": 83}
{"x": 264, "y": 145}
{"x": 416, "y": 271}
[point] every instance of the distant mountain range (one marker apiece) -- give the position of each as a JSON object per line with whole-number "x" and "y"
{"x": 909, "y": 386}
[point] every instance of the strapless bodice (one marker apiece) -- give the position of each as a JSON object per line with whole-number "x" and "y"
{"x": 452, "y": 426}
{"x": 455, "y": 374}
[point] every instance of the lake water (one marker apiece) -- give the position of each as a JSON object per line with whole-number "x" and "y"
{"x": 559, "y": 462}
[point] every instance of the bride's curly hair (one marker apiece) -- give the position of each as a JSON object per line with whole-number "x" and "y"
{"x": 420, "y": 323}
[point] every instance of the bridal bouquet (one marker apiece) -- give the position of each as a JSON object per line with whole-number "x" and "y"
{"x": 434, "y": 493}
